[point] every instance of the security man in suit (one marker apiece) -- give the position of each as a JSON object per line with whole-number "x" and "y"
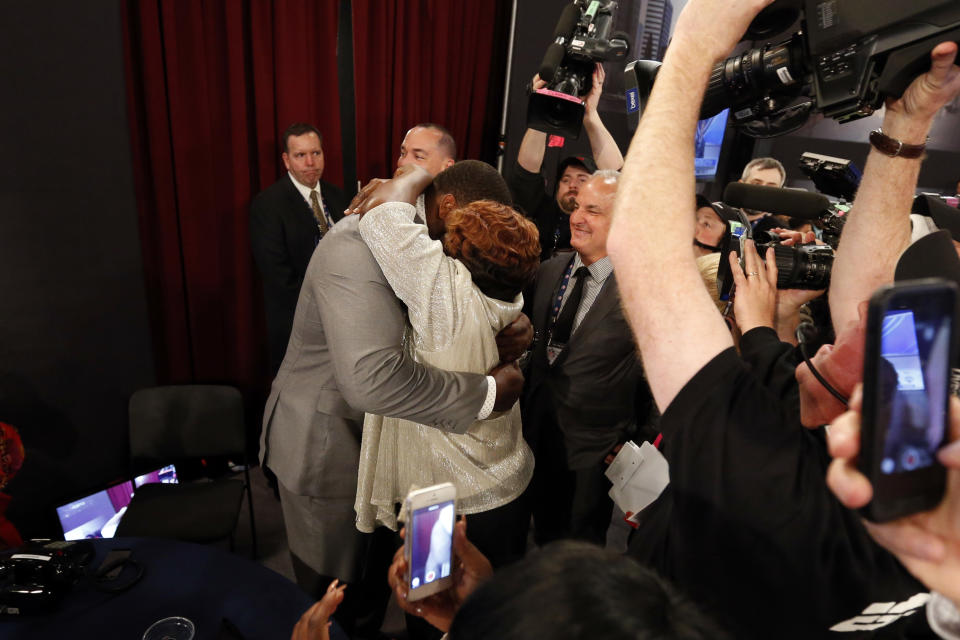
{"x": 585, "y": 392}
{"x": 287, "y": 220}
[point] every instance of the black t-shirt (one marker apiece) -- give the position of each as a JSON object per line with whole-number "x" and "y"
{"x": 748, "y": 527}
{"x": 530, "y": 196}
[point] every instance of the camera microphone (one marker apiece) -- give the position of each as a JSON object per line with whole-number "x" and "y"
{"x": 567, "y": 22}
{"x": 787, "y": 202}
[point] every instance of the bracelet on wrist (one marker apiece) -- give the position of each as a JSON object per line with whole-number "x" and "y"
{"x": 896, "y": 148}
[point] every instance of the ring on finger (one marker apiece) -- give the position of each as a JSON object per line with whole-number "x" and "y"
{"x": 753, "y": 273}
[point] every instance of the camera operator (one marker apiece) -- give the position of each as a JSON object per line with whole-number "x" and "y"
{"x": 766, "y": 172}
{"x": 552, "y": 215}
{"x": 744, "y": 479}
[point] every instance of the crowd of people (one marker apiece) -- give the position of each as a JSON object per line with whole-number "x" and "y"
{"x": 448, "y": 325}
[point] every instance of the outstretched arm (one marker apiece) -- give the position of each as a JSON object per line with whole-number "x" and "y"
{"x": 878, "y": 229}
{"x": 605, "y": 151}
{"x": 676, "y": 324}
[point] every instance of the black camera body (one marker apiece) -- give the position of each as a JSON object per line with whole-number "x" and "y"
{"x": 37, "y": 576}
{"x": 582, "y": 38}
{"x": 848, "y": 56}
{"x": 807, "y": 266}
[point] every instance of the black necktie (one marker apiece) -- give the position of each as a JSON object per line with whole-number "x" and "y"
{"x": 564, "y": 324}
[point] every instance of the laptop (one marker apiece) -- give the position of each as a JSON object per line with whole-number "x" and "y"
{"x": 98, "y": 514}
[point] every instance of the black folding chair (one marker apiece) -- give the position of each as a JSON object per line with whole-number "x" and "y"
{"x": 177, "y": 423}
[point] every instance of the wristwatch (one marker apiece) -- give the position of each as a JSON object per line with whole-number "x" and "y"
{"x": 893, "y": 147}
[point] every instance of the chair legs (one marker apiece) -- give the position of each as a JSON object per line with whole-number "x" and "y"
{"x": 253, "y": 526}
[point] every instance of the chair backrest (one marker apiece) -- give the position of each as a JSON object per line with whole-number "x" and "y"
{"x": 186, "y": 421}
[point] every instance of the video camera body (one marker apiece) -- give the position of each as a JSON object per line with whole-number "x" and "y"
{"x": 581, "y": 38}
{"x": 848, "y": 56}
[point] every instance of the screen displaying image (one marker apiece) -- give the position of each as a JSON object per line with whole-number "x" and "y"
{"x": 97, "y": 515}
{"x": 432, "y": 538}
{"x": 709, "y": 139}
{"x": 166, "y": 475}
{"x": 913, "y": 387}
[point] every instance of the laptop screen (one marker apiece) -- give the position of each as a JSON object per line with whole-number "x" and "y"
{"x": 97, "y": 515}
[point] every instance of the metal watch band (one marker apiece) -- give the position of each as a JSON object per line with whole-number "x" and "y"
{"x": 893, "y": 147}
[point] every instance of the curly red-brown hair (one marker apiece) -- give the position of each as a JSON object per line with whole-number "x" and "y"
{"x": 499, "y": 246}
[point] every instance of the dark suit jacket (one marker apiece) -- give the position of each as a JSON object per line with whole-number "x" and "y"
{"x": 594, "y": 390}
{"x": 283, "y": 235}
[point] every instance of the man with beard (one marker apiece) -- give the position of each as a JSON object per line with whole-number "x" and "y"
{"x": 552, "y": 215}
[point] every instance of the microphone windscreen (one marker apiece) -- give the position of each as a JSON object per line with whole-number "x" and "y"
{"x": 568, "y": 20}
{"x": 932, "y": 256}
{"x": 786, "y": 202}
{"x": 551, "y": 60}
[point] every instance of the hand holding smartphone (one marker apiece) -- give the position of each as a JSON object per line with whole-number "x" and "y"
{"x": 428, "y": 544}
{"x": 910, "y": 349}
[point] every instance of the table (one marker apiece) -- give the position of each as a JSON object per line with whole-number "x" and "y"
{"x": 202, "y": 583}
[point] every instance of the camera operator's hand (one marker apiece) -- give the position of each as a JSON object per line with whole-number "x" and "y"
{"x": 471, "y": 569}
{"x": 755, "y": 299}
{"x": 592, "y": 99}
{"x": 909, "y": 118}
{"x": 537, "y": 82}
{"x": 789, "y": 302}
{"x": 928, "y": 543}
{"x": 791, "y": 238}
{"x": 714, "y": 27}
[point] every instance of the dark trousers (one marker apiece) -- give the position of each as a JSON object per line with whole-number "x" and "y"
{"x": 564, "y": 502}
{"x": 362, "y": 610}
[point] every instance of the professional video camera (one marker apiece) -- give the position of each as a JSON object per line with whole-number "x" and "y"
{"x": 581, "y": 38}
{"x": 848, "y": 56}
{"x": 803, "y": 267}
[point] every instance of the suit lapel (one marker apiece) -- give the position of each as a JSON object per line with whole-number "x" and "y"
{"x": 605, "y": 302}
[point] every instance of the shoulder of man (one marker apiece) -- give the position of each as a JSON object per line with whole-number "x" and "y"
{"x": 276, "y": 191}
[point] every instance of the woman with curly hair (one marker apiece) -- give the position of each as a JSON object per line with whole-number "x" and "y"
{"x": 459, "y": 293}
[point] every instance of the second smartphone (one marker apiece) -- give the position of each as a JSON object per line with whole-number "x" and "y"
{"x": 909, "y": 352}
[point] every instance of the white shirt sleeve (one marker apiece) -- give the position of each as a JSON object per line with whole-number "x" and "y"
{"x": 416, "y": 268}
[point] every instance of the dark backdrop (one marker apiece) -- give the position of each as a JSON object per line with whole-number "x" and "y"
{"x": 74, "y": 339}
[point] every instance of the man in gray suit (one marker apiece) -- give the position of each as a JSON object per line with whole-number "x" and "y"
{"x": 585, "y": 389}
{"x": 345, "y": 358}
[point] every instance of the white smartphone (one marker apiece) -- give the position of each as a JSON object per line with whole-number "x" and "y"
{"x": 428, "y": 545}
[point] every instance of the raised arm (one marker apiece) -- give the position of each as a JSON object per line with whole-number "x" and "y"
{"x": 878, "y": 228}
{"x": 676, "y": 324}
{"x": 418, "y": 271}
{"x": 605, "y": 151}
{"x": 533, "y": 145}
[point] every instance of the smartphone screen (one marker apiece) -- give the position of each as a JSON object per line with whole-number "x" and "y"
{"x": 431, "y": 531}
{"x": 906, "y": 384}
{"x": 913, "y": 378}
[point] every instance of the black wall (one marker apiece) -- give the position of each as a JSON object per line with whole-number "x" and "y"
{"x": 74, "y": 337}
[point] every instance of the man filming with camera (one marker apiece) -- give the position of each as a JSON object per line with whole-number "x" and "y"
{"x": 753, "y": 531}
{"x": 552, "y": 215}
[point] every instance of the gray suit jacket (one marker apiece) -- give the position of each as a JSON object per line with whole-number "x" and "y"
{"x": 594, "y": 391}
{"x": 344, "y": 358}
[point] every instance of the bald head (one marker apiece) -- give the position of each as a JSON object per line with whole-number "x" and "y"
{"x": 428, "y": 145}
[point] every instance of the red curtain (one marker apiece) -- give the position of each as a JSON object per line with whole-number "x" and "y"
{"x": 426, "y": 61}
{"x": 212, "y": 83}
{"x": 210, "y": 87}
